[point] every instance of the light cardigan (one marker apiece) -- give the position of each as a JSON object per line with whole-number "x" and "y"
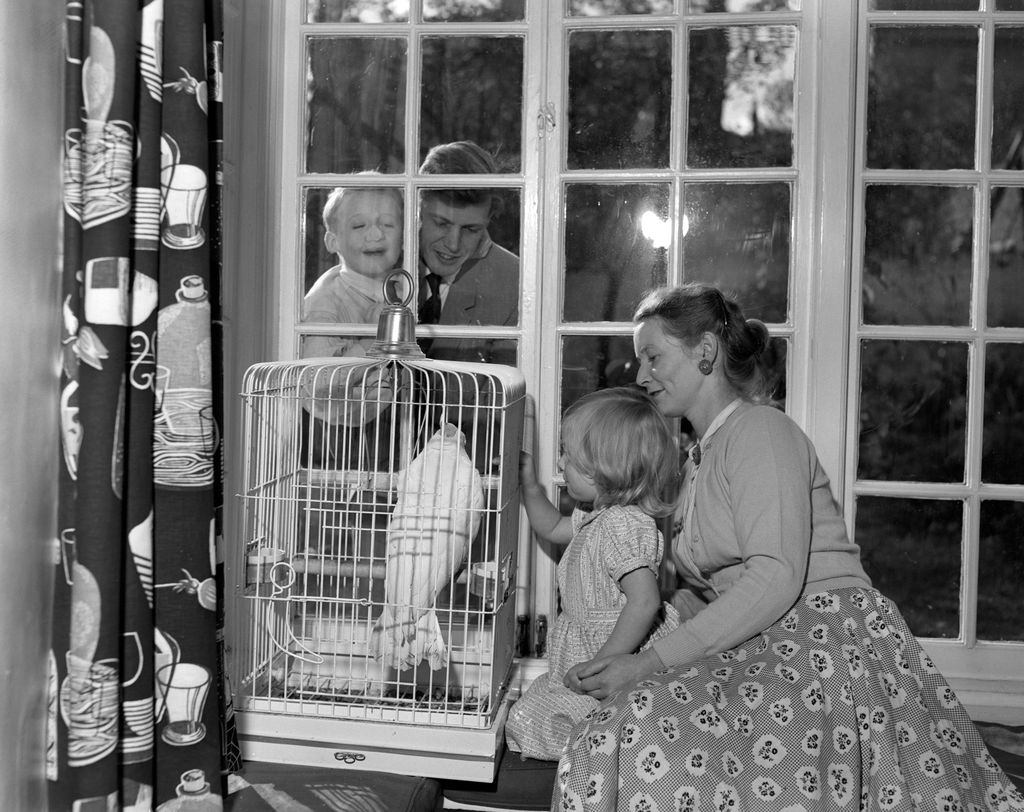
{"x": 767, "y": 530}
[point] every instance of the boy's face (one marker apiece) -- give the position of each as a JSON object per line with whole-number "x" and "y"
{"x": 367, "y": 232}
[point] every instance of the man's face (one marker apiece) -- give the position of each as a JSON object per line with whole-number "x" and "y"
{"x": 367, "y": 232}
{"x": 449, "y": 235}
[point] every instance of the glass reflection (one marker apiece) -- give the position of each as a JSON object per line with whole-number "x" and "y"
{"x": 741, "y": 6}
{"x": 1003, "y": 434}
{"x": 1006, "y": 258}
{"x": 1008, "y": 98}
{"x": 911, "y": 551}
{"x": 472, "y": 89}
{"x": 473, "y": 11}
{"x": 355, "y": 104}
{"x": 1000, "y": 571}
{"x": 616, "y": 247}
{"x": 741, "y": 96}
{"x": 922, "y": 88}
{"x": 357, "y": 11}
{"x": 620, "y": 99}
{"x": 609, "y": 8}
{"x": 913, "y": 408}
{"x": 917, "y": 254}
{"x": 737, "y": 236}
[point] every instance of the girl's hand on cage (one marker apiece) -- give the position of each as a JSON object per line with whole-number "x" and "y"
{"x": 527, "y": 470}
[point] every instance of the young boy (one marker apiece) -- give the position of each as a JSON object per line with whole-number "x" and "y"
{"x": 364, "y": 228}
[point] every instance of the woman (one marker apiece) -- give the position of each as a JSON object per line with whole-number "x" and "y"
{"x": 797, "y": 686}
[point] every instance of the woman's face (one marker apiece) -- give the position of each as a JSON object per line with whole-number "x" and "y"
{"x": 668, "y": 369}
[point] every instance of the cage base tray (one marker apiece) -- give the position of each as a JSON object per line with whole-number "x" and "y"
{"x": 457, "y": 753}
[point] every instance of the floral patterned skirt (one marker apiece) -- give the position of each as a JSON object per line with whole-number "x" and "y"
{"x": 835, "y": 707}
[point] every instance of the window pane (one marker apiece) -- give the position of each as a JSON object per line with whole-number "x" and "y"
{"x": 1006, "y": 258}
{"x": 1001, "y": 571}
{"x": 487, "y": 350}
{"x": 473, "y": 90}
{"x": 774, "y": 360}
{"x": 317, "y": 259}
{"x": 913, "y": 403}
{"x": 469, "y": 348}
{"x": 1003, "y": 436}
{"x": 740, "y": 6}
{"x": 922, "y": 84}
{"x": 1008, "y": 98}
{"x": 597, "y": 362}
{"x": 616, "y": 247}
{"x": 741, "y": 96}
{"x": 357, "y": 11}
{"x": 356, "y": 104}
{"x": 620, "y": 99}
{"x": 924, "y": 5}
{"x": 470, "y": 238}
{"x": 473, "y": 11}
{"x": 911, "y": 551}
{"x": 737, "y": 236}
{"x": 1009, "y": 5}
{"x": 917, "y": 254}
{"x": 607, "y": 8}
{"x": 324, "y": 346}
{"x": 590, "y": 363}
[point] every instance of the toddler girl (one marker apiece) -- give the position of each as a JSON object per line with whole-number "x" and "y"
{"x": 619, "y": 458}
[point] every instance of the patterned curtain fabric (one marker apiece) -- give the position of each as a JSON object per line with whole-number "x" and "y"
{"x": 139, "y": 711}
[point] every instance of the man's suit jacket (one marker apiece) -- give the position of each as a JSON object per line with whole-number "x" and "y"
{"x": 485, "y": 293}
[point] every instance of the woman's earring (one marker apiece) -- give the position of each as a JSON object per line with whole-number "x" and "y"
{"x": 705, "y": 366}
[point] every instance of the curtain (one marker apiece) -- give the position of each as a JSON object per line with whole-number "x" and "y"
{"x": 139, "y": 706}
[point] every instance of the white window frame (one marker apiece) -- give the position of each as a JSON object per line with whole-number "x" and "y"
{"x": 263, "y": 247}
{"x": 988, "y": 676}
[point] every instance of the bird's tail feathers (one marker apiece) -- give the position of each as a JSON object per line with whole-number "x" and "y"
{"x": 402, "y": 645}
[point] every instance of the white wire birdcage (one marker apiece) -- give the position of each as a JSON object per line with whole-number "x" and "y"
{"x": 380, "y": 520}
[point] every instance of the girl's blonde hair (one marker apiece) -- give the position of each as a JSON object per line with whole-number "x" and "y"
{"x": 619, "y": 439}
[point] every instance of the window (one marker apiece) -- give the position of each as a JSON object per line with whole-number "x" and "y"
{"x": 937, "y": 309}
{"x": 818, "y": 159}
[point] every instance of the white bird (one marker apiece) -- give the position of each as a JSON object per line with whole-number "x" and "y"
{"x": 436, "y": 516}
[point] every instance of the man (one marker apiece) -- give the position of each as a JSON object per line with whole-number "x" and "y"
{"x": 465, "y": 278}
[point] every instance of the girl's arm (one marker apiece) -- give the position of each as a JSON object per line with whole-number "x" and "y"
{"x": 545, "y": 519}
{"x": 643, "y": 600}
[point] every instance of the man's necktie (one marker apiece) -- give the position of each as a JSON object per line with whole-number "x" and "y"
{"x": 430, "y": 309}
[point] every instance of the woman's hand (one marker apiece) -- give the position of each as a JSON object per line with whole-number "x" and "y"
{"x": 572, "y": 679}
{"x": 604, "y": 676}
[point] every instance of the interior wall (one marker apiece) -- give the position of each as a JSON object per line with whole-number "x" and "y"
{"x": 31, "y": 55}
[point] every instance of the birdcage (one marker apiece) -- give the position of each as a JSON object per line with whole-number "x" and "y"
{"x": 381, "y": 514}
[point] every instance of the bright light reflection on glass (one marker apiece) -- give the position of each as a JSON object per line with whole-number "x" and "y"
{"x": 658, "y": 231}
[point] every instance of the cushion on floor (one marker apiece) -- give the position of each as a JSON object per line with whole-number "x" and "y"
{"x": 522, "y": 785}
{"x": 262, "y": 787}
